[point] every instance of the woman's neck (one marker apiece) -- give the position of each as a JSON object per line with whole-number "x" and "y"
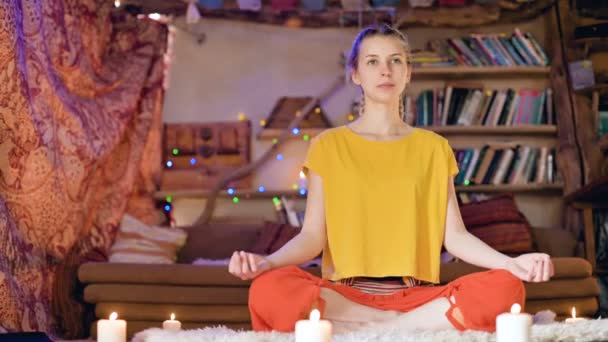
{"x": 380, "y": 119}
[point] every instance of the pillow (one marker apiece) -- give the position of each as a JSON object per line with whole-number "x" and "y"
{"x": 267, "y": 238}
{"x": 500, "y": 208}
{"x": 498, "y": 222}
{"x": 286, "y": 233}
{"x": 217, "y": 241}
{"x": 506, "y": 237}
{"x": 137, "y": 242}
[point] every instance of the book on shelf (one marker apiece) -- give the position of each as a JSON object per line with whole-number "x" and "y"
{"x": 506, "y": 163}
{"x": 287, "y": 213}
{"x": 477, "y": 50}
{"x": 458, "y": 104}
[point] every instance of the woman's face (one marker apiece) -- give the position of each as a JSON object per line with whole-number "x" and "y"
{"x": 382, "y": 69}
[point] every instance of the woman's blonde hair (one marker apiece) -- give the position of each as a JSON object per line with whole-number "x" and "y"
{"x": 382, "y": 30}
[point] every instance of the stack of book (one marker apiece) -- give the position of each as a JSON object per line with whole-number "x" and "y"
{"x": 496, "y": 49}
{"x": 458, "y": 105}
{"x": 430, "y": 59}
{"x": 506, "y": 163}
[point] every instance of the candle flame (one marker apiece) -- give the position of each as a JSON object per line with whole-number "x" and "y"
{"x": 515, "y": 308}
{"x": 573, "y": 312}
{"x": 113, "y": 316}
{"x": 315, "y": 315}
{"x": 172, "y": 316}
{"x": 302, "y": 175}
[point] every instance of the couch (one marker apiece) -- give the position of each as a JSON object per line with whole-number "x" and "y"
{"x": 207, "y": 295}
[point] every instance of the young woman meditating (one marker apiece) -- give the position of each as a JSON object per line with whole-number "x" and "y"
{"x": 381, "y": 204}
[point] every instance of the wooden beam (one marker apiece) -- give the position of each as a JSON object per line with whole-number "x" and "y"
{"x": 335, "y": 16}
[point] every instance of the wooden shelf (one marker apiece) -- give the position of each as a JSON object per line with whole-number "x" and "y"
{"x": 254, "y": 194}
{"x": 592, "y": 193}
{"x": 271, "y": 133}
{"x": 511, "y": 188}
{"x": 496, "y": 130}
{"x": 476, "y": 72}
{"x": 550, "y": 130}
{"x": 241, "y": 194}
{"x": 602, "y": 87}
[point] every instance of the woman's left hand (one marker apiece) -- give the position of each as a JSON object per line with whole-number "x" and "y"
{"x": 532, "y": 267}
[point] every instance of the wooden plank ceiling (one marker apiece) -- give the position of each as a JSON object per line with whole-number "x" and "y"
{"x": 503, "y": 11}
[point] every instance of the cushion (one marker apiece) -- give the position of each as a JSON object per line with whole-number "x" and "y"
{"x": 218, "y": 240}
{"x": 498, "y": 222}
{"x": 509, "y": 237}
{"x": 267, "y": 237}
{"x": 497, "y": 209}
{"x": 187, "y": 274}
{"x": 287, "y": 233}
{"x": 137, "y": 242}
{"x": 274, "y": 236}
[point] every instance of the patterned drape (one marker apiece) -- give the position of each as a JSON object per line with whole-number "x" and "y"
{"x": 81, "y": 90}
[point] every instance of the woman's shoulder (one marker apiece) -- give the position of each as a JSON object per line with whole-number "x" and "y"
{"x": 430, "y": 137}
{"x": 329, "y": 134}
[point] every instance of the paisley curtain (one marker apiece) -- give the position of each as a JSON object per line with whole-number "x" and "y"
{"x": 81, "y": 90}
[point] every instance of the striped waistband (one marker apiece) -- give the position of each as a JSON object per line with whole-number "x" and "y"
{"x": 386, "y": 285}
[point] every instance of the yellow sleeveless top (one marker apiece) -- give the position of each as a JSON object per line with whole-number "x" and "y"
{"x": 385, "y": 202}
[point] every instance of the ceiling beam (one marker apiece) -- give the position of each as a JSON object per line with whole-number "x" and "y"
{"x": 335, "y": 16}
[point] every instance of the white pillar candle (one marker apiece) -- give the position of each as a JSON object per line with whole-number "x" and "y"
{"x": 172, "y": 324}
{"x": 313, "y": 329}
{"x": 112, "y": 330}
{"x": 574, "y": 319}
{"x": 514, "y": 326}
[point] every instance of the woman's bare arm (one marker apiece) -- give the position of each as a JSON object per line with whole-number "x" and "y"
{"x": 312, "y": 238}
{"x": 302, "y": 248}
{"x": 466, "y": 246}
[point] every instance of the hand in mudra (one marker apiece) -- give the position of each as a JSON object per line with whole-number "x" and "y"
{"x": 247, "y": 265}
{"x": 532, "y": 267}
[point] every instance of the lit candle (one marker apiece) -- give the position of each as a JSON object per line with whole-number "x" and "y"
{"x": 574, "y": 319}
{"x": 313, "y": 329}
{"x": 514, "y": 326}
{"x": 172, "y": 324}
{"x": 112, "y": 330}
{"x": 302, "y": 181}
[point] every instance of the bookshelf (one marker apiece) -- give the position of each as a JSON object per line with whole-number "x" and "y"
{"x": 471, "y": 123}
{"x": 419, "y": 73}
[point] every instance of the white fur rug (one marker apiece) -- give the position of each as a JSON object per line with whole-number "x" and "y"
{"x": 592, "y": 330}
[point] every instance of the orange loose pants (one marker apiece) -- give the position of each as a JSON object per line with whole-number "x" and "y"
{"x": 280, "y": 297}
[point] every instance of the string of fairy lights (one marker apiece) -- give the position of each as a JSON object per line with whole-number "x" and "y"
{"x": 298, "y": 187}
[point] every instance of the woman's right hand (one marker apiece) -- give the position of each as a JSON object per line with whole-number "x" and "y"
{"x": 248, "y": 265}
